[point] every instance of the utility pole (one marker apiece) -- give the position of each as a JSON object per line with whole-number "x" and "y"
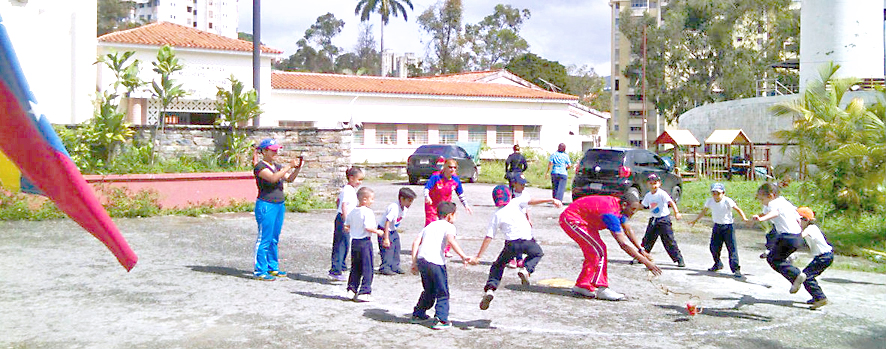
{"x": 256, "y": 54}
{"x": 645, "y": 138}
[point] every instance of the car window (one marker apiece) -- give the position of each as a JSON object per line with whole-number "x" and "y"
{"x": 462, "y": 153}
{"x": 659, "y": 163}
{"x": 644, "y": 159}
{"x": 426, "y": 149}
{"x": 606, "y": 158}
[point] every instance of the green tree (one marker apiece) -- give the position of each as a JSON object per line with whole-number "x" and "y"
{"x": 113, "y": 15}
{"x": 496, "y": 39}
{"x": 841, "y": 148}
{"x": 550, "y": 75}
{"x": 236, "y": 107}
{"x": 167, "y": 90}
{"x": 125, "y": 74}
{"x": 708, "y": 51}
{"x": 589, "y": 87}
{"x": 316, "y": 53}
{"x": 443, "y": 21}
{"x": 385, "y": 8}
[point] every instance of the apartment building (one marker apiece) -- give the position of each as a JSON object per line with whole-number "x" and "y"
{"x": 629, "y": 105}
{"x": 214, "y": 16}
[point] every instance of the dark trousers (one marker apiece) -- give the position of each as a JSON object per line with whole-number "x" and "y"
{"x": 782, "y": 247}
{"x": 435, "y": 293}
{"x": 661, "y": 227}
{"x": 558, "y": 185}
{"x": 514, "y": 248}
{"x": 720, "y": 234}
{"x": 341, "y": 240}
{"x": 510, "y": 176}
{"x": 815, "y": 268}
{"x": 360, "y": 280}
{"x": 770, "y": 239}
{"x": 390, "y": 257}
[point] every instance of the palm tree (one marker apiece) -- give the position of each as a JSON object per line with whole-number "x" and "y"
{"x": 844, "y": 143}
{"x": 385, "y": 8}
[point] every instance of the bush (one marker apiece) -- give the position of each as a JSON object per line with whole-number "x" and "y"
{"x": 304, "y": 199}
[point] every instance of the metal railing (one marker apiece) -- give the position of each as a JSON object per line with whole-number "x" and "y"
{"x": 772, "y": 87}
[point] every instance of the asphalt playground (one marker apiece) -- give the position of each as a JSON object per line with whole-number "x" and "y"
{"x": 192, "y": 288}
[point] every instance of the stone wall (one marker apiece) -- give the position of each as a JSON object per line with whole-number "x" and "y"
{"x": 327, "y": 152}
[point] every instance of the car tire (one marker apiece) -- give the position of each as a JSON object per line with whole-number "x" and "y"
{"x": 413, "y": 180}
{"x": 676, "y": 193}
{"x": 475, "y": 176}
{"x": 634, "y": 191}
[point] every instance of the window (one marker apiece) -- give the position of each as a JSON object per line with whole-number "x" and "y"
{"x": 616, "y": 22}
{"x": 616, "y": 84}
{"x": 296, "y": 124}
{"x": 636, "y": 98}
{"x": 477, "y": 133}
{"x": 532, "y": 135}
{"x": 190, "y": 9}
{"x": 386, "y": 134}
{"x": 210, "y": 25}
{"x": 635, "y": 113}
{"x": 195, "y": 24}
{"x": 617, "y": 6}
{"x": 141, "y": 5}
{"x": 636, "y": 129}
{"x": 638, "y": 3}
{"x": 418, "y": 134}
{"x": 195, "y": 12}
{"x": 149, "y": 17}
{"x": 359, "y": 138}
{"x": 588, "y": 130}
{"x": 637, "y": 144}
{"x": 210, "y": 14}
{"x": 504, "y": 134}
{"x": 617, "y": 68}
{"x": 448, "y": 134}
{"x": 653, "y": 4}
{"x": 615, "y": 128}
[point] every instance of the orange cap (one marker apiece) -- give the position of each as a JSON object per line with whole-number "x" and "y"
{"x": 806, "y": 212}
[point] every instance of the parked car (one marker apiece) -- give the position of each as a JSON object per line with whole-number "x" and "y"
{"x": 615, "y": 171}
{"x": 429, "y": 158}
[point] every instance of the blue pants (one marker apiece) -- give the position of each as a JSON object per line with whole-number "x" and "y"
{"x": 558, "y": 185}
{"x": 720, "y": 234}
{"x": 360, "y": 280}
{"x": 341, "y": 241}
{"x": 390, "y": 257}
{"x": 514, "y": 248}
{"x": 662, "y": 227}
{"x": 436, "y": 291}
{"x": 815, "y": 268}
{"x": 269, "y": 216}
{"x": 782, "y": 246}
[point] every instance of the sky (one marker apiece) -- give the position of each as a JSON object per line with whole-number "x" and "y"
{"x": 572, "y": 32}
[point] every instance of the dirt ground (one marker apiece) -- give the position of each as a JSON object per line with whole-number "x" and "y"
{"x": 60, "y": 288}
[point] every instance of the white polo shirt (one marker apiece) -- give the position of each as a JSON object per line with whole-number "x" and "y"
{"x": 359, "y": 220}
{"x": 511, "y": 220}
{"x": 433, "y": 240}
{"x": 721, "y": 212}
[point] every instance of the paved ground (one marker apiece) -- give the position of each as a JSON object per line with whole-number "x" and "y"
{"x": 60, "y": 288}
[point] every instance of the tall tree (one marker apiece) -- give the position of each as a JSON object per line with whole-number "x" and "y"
{"x": 496, "y": 39}
{"x": 589, "y": 87}
{"x": 113, "y": 15}
{"x": 443, "y": 21}
{"x": 707, "y": 51}
{"x": 315, "y": 52}
{"x": 549, "y": 75}
{"x": 385, "y": 8}
{"x": 366, "y": 51}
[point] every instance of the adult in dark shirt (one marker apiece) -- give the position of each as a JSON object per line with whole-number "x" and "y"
{"x": 269, "y": 207}
{"x": 515, "y": 165}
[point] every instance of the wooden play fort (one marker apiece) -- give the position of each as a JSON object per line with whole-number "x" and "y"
{"x": 727, "y": 154}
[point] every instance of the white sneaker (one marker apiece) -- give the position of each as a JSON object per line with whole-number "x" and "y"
{"x": 581, "y": 291}
{"x": 792, "y": 258}
{"x": 350, "y": 295}
{"x": 605, "y": 293}
{"x": 524, "y": 276}
{"x": 363, "y": 298}
{"x": 798, "y": 282}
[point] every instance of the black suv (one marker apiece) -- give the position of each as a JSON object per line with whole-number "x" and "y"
{"x": 429, "y": 158}
{"x": 615, "y": 171}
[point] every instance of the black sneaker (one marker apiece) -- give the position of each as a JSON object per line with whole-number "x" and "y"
{"x": 487, "y": 298}
{"x": 715, "y": 268}
{"x": 416, "y": 319}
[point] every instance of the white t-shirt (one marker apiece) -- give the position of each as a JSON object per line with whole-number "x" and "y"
{"x": 657, "y": 203}
{"x": 393, "y": 213}
{"x": 816, "y": 241}
{"x": 347, "y": 198}
{"x": 511, "y": 220}
{"x": 721, "y": 212}
{"x": 788, "y": 220}
{"x": 358, "y": 220}
{"x": 433, "y": 240}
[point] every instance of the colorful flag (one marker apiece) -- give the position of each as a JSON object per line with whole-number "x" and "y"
{"x": 33, "y": 159}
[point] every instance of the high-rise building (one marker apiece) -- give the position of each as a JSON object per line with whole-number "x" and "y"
{"x": 629, "y": 105}
{"x": 214, "y": 16}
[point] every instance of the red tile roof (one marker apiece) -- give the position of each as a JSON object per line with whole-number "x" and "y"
{"x": 175, "y": 35}
{"x": 465, "y": 77}
{"x": 409, "y": 86}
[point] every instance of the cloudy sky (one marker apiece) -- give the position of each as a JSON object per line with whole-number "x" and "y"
{"x": 569, "y": 31}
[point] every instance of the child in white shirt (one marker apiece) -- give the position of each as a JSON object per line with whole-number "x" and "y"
{"x": 658, "y": 201}
{"x": 786, "y": 222}
{"x": 824, "y": 256}
{"x": 389, "y": 242}
{"x": 361, "y": 224}
{"x": 723, "y": 232}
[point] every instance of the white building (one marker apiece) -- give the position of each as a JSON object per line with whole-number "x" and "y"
{"x": 208, "y": 60}
{"x": 215, "y": 16}
{"x": 55, "y": 44}
{"x": 396, "y": 114}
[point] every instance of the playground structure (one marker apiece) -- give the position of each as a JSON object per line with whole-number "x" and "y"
{"x": 684, "y": 148}
{"x": 727, "y": 154}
